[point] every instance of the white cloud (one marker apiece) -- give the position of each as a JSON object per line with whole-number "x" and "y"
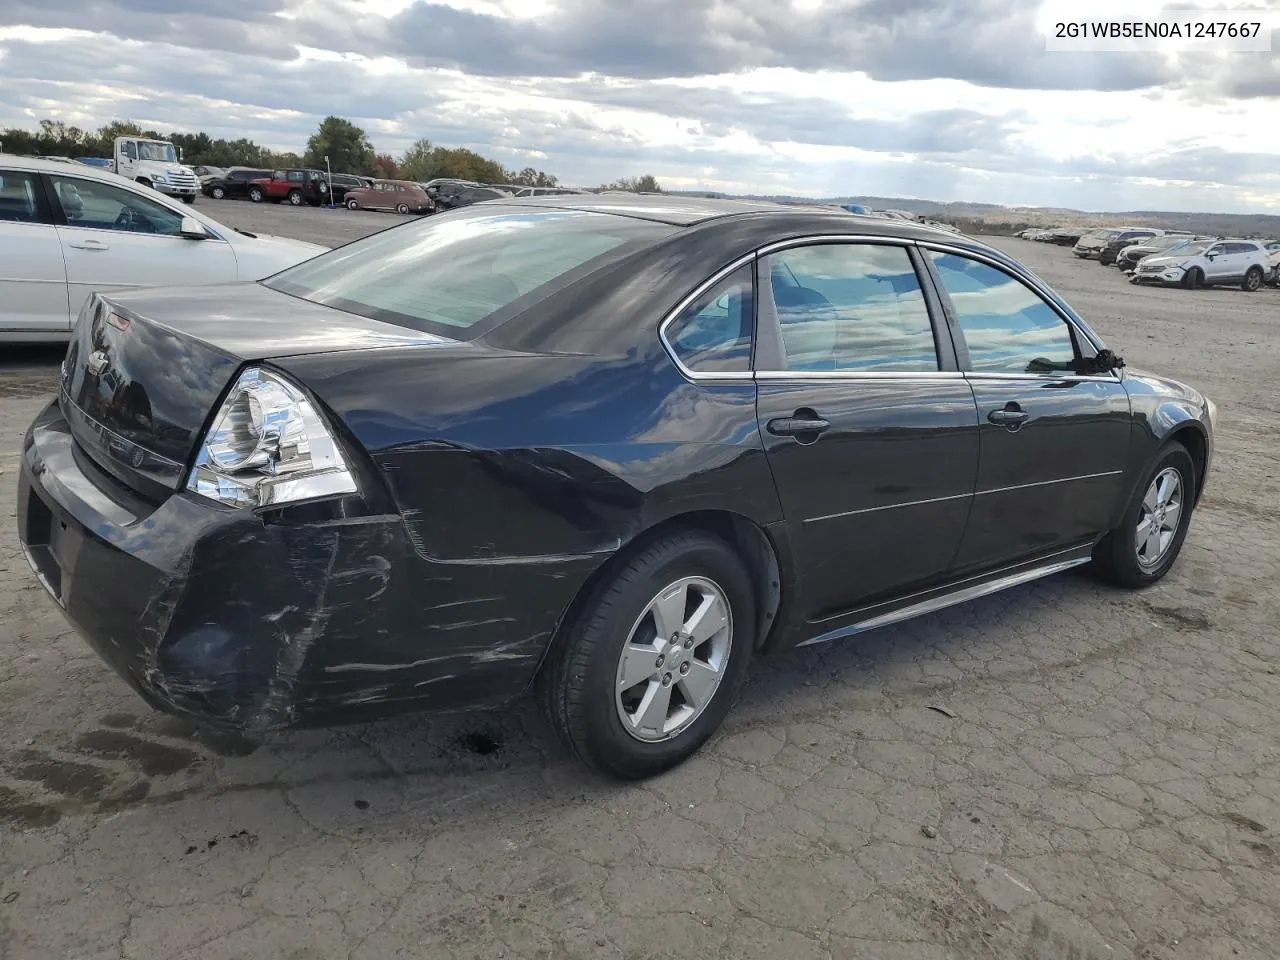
{"x": 574, "y": 93}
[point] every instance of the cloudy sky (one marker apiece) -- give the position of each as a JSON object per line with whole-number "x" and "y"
{"x": 939, "y": 99}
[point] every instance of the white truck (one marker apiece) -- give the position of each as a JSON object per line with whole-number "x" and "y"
{"x": 156, "y": 164}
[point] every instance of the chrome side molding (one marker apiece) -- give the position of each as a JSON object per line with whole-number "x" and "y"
{"x": 961, "y": 594}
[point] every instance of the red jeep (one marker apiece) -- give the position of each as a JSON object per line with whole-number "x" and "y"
{"x": 296, "y": 186}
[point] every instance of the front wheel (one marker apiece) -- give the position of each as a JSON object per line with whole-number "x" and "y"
{"x": 402, "y": 208}
{"x": 1193, "y": 279}
{"x": 256, "y": 194}
{"x": 646, "y": 672}
{"x": 189, "y": 198}
{"x": 218, "y": 193}
{"x": 1252, "y": 279}
{"x": 1141, "y": 550}
{"x": 353, "y": 204}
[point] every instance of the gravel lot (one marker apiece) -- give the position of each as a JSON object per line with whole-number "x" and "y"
{"x": 1107, "y": 789}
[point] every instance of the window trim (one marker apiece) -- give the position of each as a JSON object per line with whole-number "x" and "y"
{"x": 947, "y": 357}
{"x": 942, "y": 316}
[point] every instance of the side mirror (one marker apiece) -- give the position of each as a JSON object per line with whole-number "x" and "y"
{"x": 193, "y": 229}
{"x": 1106, "y": 361}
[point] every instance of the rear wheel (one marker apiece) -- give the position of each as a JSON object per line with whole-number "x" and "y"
{"x": 256, "y": 194}
{"x": 295, "y": 198}
{"x": 1252, "y": 279}
{"x": 1142, "y": 549}
{"x": 1193, "y": 279}
{"x": 647, "y": 671}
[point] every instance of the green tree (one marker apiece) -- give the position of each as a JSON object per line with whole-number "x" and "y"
{"x": 345, "y": 144}
{"x": 424, "y": 161}
{"x": 529, "y": 177}
{"x": 644, "y": 184}
{"x": 415, "y": 163}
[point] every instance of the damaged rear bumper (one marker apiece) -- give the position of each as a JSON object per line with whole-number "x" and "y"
{"x": 215, "y": 613}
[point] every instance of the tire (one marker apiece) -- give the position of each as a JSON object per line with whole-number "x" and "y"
{"x": 1193, "y": 279}
{"x": 256, "y": 194}
{"x": 353, "y": 204}
{"x": 218, "y": 193}
{"x": 577, "y": 686}
{"x": 1117, "y": 556}
{"x": 295, "y": 198}
{"x": 402, "y": 208}
{"x": 190, "y": 198}
{"x": 1252, "y": 279}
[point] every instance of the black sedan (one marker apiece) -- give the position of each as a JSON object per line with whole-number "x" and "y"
{"x": 607, "y": 448}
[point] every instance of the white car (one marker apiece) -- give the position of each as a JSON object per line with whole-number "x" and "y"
{"x": 1273, "y": 260}
{"x": 66, "y": 232}
{"x": 1242, "y": 262}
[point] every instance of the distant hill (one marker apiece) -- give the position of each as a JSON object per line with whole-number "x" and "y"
{"x": 994, "y": 218}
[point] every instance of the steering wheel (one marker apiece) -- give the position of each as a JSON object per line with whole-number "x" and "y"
{"x": 131, "y": 220}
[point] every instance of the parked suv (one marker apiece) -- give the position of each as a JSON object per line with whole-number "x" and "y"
{"x": 234, "y": 185}
{"x": 1215, "y": 264}
{"x": 342, "y": 182}
{"x": 296, "y": 186}
{"x": 1107, "y": 255}
{"x": 1128, "y": 257}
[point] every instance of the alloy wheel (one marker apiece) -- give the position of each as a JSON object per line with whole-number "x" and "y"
{"x": 674, "y": 660}
{"x": 1158, "y": 517}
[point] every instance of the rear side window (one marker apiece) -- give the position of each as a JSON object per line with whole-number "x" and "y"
{"x": 851, "y": 307}
{"x": 449, "y": 273}
{"x": 18, "y": 198}
{"x": 713, "y": 334}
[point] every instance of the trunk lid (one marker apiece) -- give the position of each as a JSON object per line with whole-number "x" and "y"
{"x": 145, "y": 370}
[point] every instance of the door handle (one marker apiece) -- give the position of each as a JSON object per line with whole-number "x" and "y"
{"x": 88, "y": 245}
{"x": 802, "y": 424}
{"x": 1011, "y": 417}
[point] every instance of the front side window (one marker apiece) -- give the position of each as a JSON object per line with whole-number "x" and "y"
{"x": 1008, "y": 327}
{"x": 448, "y": 273}
{"x": 103, "y": 206}
{"x": 852, "y": 307}
{"x": 713, "y": 334}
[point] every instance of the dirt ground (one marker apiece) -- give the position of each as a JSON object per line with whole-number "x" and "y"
{"x": 1104, "y": 783}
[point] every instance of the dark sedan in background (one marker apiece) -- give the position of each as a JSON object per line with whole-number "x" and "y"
{"x": 609, "y": 447}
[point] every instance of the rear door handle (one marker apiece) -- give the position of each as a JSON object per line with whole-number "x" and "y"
{"x": 88, "y": 245}
{"x": 797, "y": 426}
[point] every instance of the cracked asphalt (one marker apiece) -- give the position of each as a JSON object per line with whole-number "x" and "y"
{"x": 1061, "y": 772}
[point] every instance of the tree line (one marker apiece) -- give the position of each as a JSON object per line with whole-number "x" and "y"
{"x": 345, "y": 144}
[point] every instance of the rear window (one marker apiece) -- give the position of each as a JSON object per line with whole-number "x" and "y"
{"x": 457, "y": 273}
